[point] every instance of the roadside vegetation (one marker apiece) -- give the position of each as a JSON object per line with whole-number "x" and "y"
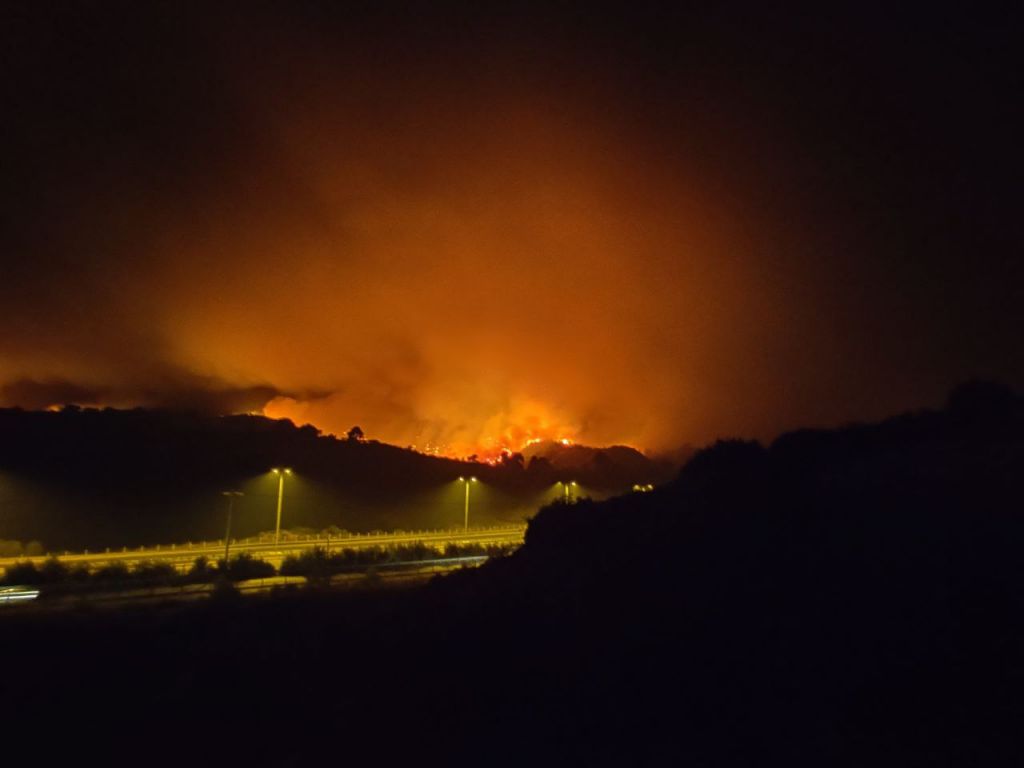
{"x": 317, "y": 565}
{"x": 54, "y": 577}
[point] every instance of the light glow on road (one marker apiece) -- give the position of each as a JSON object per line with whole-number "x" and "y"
{"x": 18, "y": 594}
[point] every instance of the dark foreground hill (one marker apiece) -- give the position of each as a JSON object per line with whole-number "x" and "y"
{"x": 92, "y": 478}
{"x": 844, "y": 598}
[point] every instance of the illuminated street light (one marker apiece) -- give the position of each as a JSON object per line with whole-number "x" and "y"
{"x": 468, "y": 483}
{"x": 643, "y": 488}
{"x": 232, "y": 495}
{"x": 280, "y": 497}
{"x": 567, "y": 489}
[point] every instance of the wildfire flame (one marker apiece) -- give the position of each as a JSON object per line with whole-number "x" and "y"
{"x": 486, "y": 438}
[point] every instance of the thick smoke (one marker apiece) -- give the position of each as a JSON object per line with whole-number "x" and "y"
{"x": 458, "y": 242}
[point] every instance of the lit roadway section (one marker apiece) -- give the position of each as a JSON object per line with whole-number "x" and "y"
{"x": 182, "y": 556}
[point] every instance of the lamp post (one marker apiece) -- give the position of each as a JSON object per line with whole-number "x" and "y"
{"x": 468, "y": 483}
{"x": 232, "y": 495}
{"x": 567, "y": 489}
{"x": 280, "y": 498}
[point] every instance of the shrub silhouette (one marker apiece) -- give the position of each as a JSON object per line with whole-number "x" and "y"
{"x": 314, "y": 564}
{"x": 112, "y": 573}
{"x": 23, "y": 573}
{"x": 201, "y": 571}
{"x": 53, "y": 571}
{"x": 154, "y": 573}
{"x": 244, "y": 566}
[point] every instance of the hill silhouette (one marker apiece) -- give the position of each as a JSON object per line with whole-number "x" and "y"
{"x": 93, "y": 478}
{"x": 841, "y": 597}
{"x": 619, "y": 466}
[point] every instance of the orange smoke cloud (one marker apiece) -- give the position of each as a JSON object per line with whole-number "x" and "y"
{"x": 459, "y": 268}
{"x": 461, "y": 273}
{"x": 533, "y": 286}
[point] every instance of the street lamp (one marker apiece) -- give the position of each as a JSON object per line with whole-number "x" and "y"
{"x": 468, "y": 483}
{"x": 280, "y": 472}
{"x": 567, "y": 489}
{"x": 232, "y": 495}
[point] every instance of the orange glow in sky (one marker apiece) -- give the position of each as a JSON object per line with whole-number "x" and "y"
{"x": 457, "y": 258}
{"x": 535, "y": 274}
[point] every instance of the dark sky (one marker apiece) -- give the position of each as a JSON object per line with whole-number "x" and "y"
{"x": 463, "y": 227}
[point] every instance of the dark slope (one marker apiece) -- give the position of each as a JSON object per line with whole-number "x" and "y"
{"x": 844, "y": 598}
{"x": 97, "y": 478}
{"x": 618, "y": 466}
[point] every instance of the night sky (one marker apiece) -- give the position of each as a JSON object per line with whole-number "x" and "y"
{"x": 462, "y": 227}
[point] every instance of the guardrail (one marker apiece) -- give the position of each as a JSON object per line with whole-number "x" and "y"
{"x": 186, "y": 553}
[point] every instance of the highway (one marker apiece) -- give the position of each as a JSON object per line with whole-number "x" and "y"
{"x": 380, "y": 575}
{"x": 181, "y": 556}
